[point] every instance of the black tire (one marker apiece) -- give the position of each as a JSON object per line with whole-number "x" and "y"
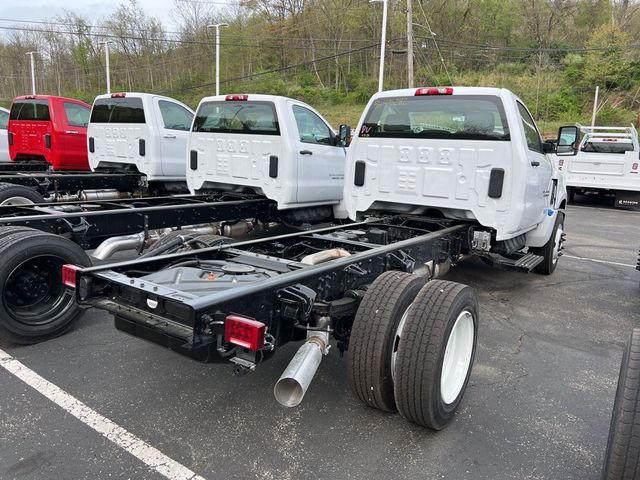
{"x": 34, "y": 304}
{"x": 18, "y": 195}
{"x": 8, "y": 230}
{"x": 622, "y": 457}
{"x": 549, "y": 264}
{"x": 373, "y": 336}
{"x": 421, "y": 352}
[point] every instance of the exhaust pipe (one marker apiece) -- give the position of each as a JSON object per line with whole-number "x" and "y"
{"x": 289, "y": 390}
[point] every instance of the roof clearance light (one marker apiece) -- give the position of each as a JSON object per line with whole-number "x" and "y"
{"x": 29, "y": 97}
{"x": 69, "y": 274}
{"x": 244, "y": 332}
{"x": 118, "y": 95}
{"x": 237, "y": 98}
{"x": 434, "y": 91}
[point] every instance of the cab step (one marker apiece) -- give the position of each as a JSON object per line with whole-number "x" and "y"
{"x": 521, "y": 262}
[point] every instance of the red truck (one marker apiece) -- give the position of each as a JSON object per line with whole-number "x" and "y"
{"x": 50, "y": 128}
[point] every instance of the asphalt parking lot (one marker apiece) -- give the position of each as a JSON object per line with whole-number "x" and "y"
{"x": 538, "y": 405}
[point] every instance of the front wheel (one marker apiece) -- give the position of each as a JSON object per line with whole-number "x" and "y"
{"x": 622, "y": 458}
{"x": 436, "y": 350}
{"x": 34, "y": 304}
{"x": 552, "y": 250}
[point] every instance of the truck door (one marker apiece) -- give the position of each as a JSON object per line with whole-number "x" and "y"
{"x": 539, "y": 172}
{"x": 320, "y": 160}
{"x": 74, "y": 135}
{"x": 175, "y": 123}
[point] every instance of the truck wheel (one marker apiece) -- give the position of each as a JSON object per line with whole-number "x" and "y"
{"x": 551, "y": 250}
{"x": 435, "y": 353}
{"x": 35, "y": 305}
{"x": 18, "y": 195}
{"x": 373, "y": 337}
{"x": 622, "y": 458}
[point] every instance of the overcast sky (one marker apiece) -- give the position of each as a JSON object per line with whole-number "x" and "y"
{"x": 45, "y": 10}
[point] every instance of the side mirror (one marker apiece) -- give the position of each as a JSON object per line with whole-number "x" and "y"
{"x": 548, "y": 147}
{"x": 567, "y": 141}
{"x": 344, "y": 135}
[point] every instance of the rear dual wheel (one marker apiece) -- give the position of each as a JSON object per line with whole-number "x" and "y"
{"x": 16, "y": 195}
{"x": 34, "y": 304}
{"x": 415, "y": 351}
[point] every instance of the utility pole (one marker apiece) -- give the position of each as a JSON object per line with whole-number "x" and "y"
{"x": 595, "y": 108}
{"x": 383, "y": 41}
{"x": 106, "y": 53}
{"x": 217, "y": 62}
{"x": 410, "y": 43}
{"x": 33, "y": 73}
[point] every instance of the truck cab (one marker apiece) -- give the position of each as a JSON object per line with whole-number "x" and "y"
{"x": 49, "y": 128}
{"x": 467, "y": 153}
{"x": 273, "y": 146}
{"x": 140, "y": 132}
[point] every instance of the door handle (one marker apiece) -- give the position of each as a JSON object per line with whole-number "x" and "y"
{"x": 535, "y": 163}
{"x": 72, "y": 132}
{"x": 169, "y": 135}
{"x": 306, "y": 152}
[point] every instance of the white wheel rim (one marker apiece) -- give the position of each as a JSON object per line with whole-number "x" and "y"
{"x": 15, "y": 201}
{"x": 457, "y": 357}
{"x": 557, "y": 244}
{"x": 396, "y": 342}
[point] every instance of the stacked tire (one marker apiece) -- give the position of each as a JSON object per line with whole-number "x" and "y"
{"x": 622, "y": 457}
{"x": 35, "y": 305}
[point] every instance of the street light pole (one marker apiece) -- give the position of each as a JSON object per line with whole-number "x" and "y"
{"x": 33, "y": 73}
{"x": 383, "y": 41}
{"x": 106, "y": 53}
{"x": 217, "y": 67}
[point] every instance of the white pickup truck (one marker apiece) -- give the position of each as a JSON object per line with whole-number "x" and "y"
{"x": 274, "y": 146}
{"x": 467, "y": 153}
{"x": 4, "y": 144}
{"x": 141, "y": 132}
{"x": 601, "y": 159}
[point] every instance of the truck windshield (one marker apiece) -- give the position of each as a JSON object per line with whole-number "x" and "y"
{"x": 118, "y": 110}
{"x": 456, "y": 117}
{"x": 257, "y": 118}
{"x": 30, "y": 110}
{"x": 607, "y": 145}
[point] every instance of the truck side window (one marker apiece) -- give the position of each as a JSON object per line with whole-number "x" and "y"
{"x": 4, "y": 119}
{"x": 77, "y": 115}
{"x": 174, "y": 116}
{"x": 530, "y": 131}
{"x": 311, "y": 127}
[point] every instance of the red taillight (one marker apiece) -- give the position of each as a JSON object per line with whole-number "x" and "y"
{"x": 69, "y": 274}
{"x": 118, "y": 95}
{"x": 561, "y": 162}
{"x": 237, "y": 98}
{"x": 244, "y": 332}
{"x": 434, "y": 91}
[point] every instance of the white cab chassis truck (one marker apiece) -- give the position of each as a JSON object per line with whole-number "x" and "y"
{"x": 273, "y": 146}
{"x": 140, "y": 132}
{"x": 432, "y": 176}
{"x": 466, "y": 153}
{"x": 601, "y": 160}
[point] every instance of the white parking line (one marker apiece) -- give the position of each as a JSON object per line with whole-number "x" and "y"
{"x": 151, "y": 456}
{"x": 600, "y": 261}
